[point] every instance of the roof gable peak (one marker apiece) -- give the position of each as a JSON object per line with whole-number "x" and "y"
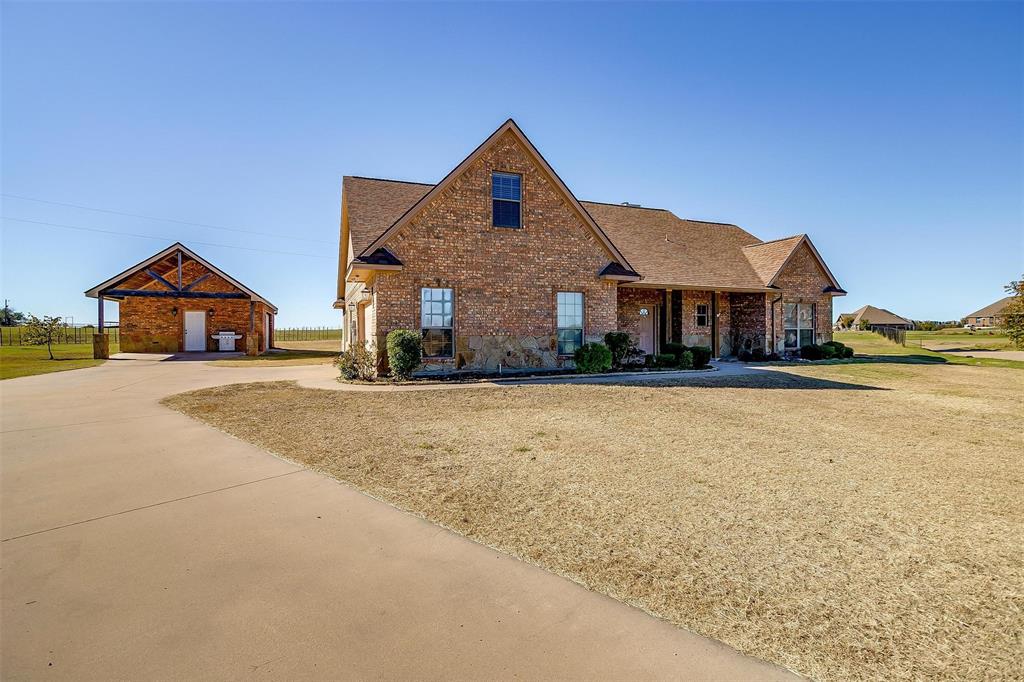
{"x": 508, "y": 127}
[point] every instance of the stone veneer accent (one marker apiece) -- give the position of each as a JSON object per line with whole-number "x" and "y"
{"x": 504, "y": 280}
{"x": 149, "y": 325}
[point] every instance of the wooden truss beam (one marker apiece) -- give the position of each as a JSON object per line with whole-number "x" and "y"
{"x": 116, "y": 293}
{"x": 155, "y": 275}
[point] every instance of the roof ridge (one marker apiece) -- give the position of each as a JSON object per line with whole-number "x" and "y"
{"x": 709, "y": 222}
{"x": 608, "y": 203}
{"x": 780, "y": 239}
{"x": 401, "y": 182}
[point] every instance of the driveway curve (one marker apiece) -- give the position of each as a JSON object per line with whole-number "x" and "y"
{"x": 138, "y": 543}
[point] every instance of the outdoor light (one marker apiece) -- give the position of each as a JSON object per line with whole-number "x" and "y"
{"x": 210, "y": 311}
{"x": 174, "y": 311}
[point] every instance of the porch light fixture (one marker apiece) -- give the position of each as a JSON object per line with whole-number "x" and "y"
{"x": 210, "y": 312}
{"x": 643, "y": 312}
{"x": 174, "y": 312}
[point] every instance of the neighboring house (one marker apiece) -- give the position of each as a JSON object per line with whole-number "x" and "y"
{"x": 990, "y": 315}
{"x": 875, "y": 317}
{"x": 499, "y": 265}
{"x": 176, "y": 301}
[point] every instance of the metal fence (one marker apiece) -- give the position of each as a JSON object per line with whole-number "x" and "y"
{"x": 307, "y": 333}
{"x": 15, "y": 336}
{"x": 893, "y": 334}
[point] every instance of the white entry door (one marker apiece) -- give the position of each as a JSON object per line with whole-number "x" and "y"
{"x": 195, "y": 330}
{"x": 645, "y": 340}
{"x": 266, "y": 331}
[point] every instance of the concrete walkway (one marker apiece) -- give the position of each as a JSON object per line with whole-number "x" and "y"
{"x": 138, "y": 543}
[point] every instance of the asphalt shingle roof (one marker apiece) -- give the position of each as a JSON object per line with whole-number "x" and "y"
{"x": 663, "y": 248}
{"x": 992, "y": 309}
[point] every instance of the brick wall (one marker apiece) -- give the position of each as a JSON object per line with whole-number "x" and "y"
{"x": 156, "y": 325}
{"x": 748, "y": 319}
{"x": 802, "y": 281}
{"x": 504, "y": 280}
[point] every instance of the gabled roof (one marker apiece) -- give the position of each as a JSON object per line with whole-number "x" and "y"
{"x": 879, "y": 316}
{"x": 992, "y": 309}
{"x": 658, "y": 246}
{"x": 508, "y": 127}
{"x": 162, "y": 255}
{"x": 669, "y": 251}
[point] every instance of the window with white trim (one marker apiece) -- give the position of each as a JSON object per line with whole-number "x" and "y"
{"x": 570, "y": 321}
{"x": 506, "y": 199}
{"x": 798, "y": 321}
{"x": 701, "y": 315}
{"x": 437, "y": 322}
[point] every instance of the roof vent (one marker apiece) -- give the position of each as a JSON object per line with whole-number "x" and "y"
{"x": 626, "y": 203}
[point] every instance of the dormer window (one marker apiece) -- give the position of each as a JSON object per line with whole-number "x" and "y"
{"x": 506, "y": 199}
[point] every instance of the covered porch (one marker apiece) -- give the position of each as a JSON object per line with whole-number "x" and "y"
{"x": 725, "y": 321}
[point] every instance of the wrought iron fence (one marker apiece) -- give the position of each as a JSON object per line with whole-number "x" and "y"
{"x": 15, "y": 336}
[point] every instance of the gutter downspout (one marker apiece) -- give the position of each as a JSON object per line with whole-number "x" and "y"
{"x": 773, "y": 321}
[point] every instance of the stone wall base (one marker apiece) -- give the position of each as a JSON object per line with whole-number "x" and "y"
{"x": 252, "y": 345}
{"x": 100, "y": 346}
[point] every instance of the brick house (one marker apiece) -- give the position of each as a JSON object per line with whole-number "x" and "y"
{"x": 873, "y": 317}
{"x": 989, "y": 316}
{"x": 176, "y": 301}
{"x": 500, "y": 265}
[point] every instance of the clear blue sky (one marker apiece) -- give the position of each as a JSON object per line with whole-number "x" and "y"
{"x": 891, "y": 133}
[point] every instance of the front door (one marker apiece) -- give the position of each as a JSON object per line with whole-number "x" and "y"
{"x": 266, "y": 331}
{"x": 195, "y": 330}
{"x": 645, "y": 335}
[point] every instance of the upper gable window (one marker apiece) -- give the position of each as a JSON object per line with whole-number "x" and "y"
{"x": 506, "y": 199}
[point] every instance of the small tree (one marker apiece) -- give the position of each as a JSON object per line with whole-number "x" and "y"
{"x": 1013, "y": 313}
{"x": 865, "y": 324}
{"x": 10, "y": 317}
{"x": 39, "y": 332}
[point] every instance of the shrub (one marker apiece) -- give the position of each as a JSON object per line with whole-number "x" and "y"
{"x": 745, "y": 356}
{"x": 685, "y": 360}
{"x": 665, "y": 360}
{"x": 592, "y": 358}
{"x": 757, "y": 355}
{"x": 357, "y": 363}
{"x": 828, "y": 351}
{"x": 811, "y": 352}
{"x": 701, "y": 356}
{"x": 620, "y": 345}
{"x": 405, "y": 352}
{"x": 847, "y": 352}
{"x": 674, "y": 349}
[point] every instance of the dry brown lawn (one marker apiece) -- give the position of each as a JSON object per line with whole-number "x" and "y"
{"x": 848, "y": 521}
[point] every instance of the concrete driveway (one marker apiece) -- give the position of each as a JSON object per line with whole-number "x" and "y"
{"x": 138, "y": 543}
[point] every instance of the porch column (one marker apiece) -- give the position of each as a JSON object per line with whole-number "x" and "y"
{"x": 668, "y": 316}
{"x": 100, "y": 342}
{"x": 714, "y": 324}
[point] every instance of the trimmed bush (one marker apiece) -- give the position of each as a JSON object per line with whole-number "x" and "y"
{"x": 745, "y": 356}
{"x": 811, "y": 352}
{"x": 701, "y": 356}
{"x": 665, "y": 360}
{"x": 592, "y": 358}
{"x": 757, "y": 355}
{"x": 847, "y": 352}
{"x": 685, "y": 360}
{"x": 674, "y": 349}
{"x": 357, "y": 363}
{"x": 405, "y": 352}
{"x": 620, "y": 345}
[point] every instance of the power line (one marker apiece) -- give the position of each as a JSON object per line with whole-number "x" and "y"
{"x": 167, "y": 220}
{"x": 164, "y": 239}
